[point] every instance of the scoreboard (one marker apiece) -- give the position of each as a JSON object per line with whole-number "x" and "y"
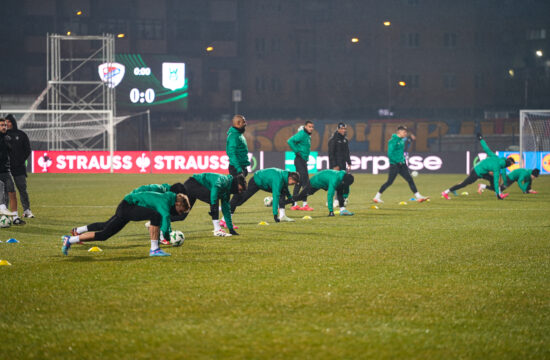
{"x": 152, "y": 81}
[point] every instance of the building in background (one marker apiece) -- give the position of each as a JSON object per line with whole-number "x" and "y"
{"x": 325, "y": 59}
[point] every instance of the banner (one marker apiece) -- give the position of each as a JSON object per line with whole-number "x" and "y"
{"x": 136, "y": 162}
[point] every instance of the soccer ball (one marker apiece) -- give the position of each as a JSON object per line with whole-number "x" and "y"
{"x": 177, "y": 238}
{"x": 268, "y": 201}
{"x": 414, "y": 173}
{"x": 5, "y": 222}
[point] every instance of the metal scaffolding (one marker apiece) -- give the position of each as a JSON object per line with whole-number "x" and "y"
{"x": 73, "y": 84}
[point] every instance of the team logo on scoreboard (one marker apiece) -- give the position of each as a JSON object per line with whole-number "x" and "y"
{"x": 173, "y": 75}
{"x": 111, "y": 73}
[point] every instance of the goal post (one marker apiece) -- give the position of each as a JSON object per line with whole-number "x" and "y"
{"x": 534, "y": 138}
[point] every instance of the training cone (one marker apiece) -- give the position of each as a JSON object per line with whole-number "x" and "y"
{"x": 12, "y": 241}
{"x": 412, "y": 199}
{"x": 465, "y": 193}
{"x": 4, "y": 263}
{"x": 403, "y": 203}
{"x": 94, "y": 249}
{"x": 262, "y": 223}
{"x": 307, "y": 217}
{"x": 374, "y": 207}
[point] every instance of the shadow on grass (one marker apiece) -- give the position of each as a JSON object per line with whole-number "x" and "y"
{"x": 91, "y": 258}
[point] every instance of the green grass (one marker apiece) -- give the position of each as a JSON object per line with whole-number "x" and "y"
{"x": 467, "y": 278}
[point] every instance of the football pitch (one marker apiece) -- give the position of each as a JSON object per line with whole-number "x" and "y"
{"x": 467, "y": 278}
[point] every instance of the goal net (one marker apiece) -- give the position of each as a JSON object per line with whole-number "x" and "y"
{"x": 68, "y": 129}
{"x": 534, "y": 138}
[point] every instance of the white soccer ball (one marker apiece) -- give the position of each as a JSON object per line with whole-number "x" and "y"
{"x": 414, "y": 173}
{"x": 177, "y": 238}
{"x": 268, "y": 201}
{"x": 5, "y": 222}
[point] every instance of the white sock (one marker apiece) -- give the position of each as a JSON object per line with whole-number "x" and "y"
{"x": 304, "y": 203}
{"x": 16, "y": 216}
{"x": 3, "y": 207}
{"x": 483, "y": 186}
{"x": 342, "y": 208}
{"x": 216, "y": 225}
{"x": 74, "y": 239}
{"x": 294, "y": 204}
{"x": 281, "y": 212}
{"x": 377, "y": 196}
{"x": 81, "y": 229}
{"x": 447, "y": 191}
{"x": 154, "y": 244}
{"x": 417, "y": 195}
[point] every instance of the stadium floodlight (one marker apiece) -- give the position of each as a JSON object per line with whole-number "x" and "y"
{"x": 534, "y": 137}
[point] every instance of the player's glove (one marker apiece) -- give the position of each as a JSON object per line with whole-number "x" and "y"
{"x": 276, "y": 218}
{"x": 233, "y": 232}
{"x": 331, "y": 213}
{"x": 479, "y": 136}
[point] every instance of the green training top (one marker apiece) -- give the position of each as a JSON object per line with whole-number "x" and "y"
{"x": 161, "y": 203}
{"x": 396, "y": 149}
{"x": 237, "y": 149}
{"x": 159, "y": 188}
{"x": 300, "y": 143}
{"x": 220, "y": 188}
{"x": 328, "y": 180}
{"x": 522, "y": 176}
{"x": 491, "y": 163}
{"x": 273, "y": 180}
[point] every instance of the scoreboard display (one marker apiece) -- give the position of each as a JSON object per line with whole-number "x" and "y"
{"x": 152, "y": 81}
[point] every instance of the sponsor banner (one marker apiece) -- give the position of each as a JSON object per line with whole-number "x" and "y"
{"x": 531, "y": 160}
{"x": 136, "y": 162}
{"x": 311, "y": 162}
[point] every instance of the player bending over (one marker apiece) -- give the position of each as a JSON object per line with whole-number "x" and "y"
{"x": 152, "y": 206}
{"x": 331, "y": 181}
{"x": 398, "y": 165}
{"x": 523, "y": 177}
{"x": 275, "y": 181}
{"x": 488, "y": 169}
{"x": 211, "y": 188}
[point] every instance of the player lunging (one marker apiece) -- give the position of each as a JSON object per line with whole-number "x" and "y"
{"x": 152, "y": 206}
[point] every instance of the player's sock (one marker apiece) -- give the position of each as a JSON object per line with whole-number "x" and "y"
{"x": 483, "y": 186}
{"x": 418, "y": 195}
{"x": 378, "y": 196}
{"x": 304, "y": 203}
{"x": 447, "y": 191}
{"x": 154, "y": 244}
{"x": 74, "y": 239}
{"x": 216, "y": 225}
{"x": 281, "y": 212}
{"x": 81, "y": 229}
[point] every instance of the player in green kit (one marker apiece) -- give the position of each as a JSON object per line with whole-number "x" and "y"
{"x": 488, "y": 169}
{"x": 332, "y": 181}
{"x": 275, "y": 181}
{"x": 524, "y": 178}
{"x": 398, "y": 164}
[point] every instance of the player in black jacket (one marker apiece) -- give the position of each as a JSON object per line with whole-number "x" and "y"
{"x": 20, "y": 150}
{"x": 338, "y": 153}
{"x": 6, "y": 182}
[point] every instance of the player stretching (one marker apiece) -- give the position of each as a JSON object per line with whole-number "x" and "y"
{"x": 488, "y": 169}
{"x": 300, "y": 143}
{"x": 331, "y": 181}
{"x": 271, "y": 180}
{"x": 524, "y": 178}
{"x": 151, "y": 206}
{"x": 398, "y": 165}
{"x": 211, "y": 188}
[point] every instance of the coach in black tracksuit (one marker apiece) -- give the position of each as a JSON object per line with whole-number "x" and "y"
{"x": 20, "y": 150}
{"x": 338, "y": 152}
{"x": 338, "y": 149}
